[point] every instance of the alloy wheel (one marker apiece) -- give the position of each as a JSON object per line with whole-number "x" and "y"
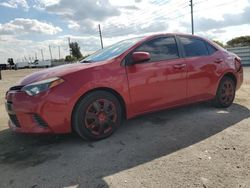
{"x": 101, "y": 117}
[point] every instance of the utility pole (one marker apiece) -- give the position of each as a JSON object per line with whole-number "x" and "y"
{"x": 50, "y": 53}
{"x": 69, "y": 46}
{"x": 59, "y": 52}
{"x": 42, "y": 54}
{"x": 35, "y": 56}
{"x": 192, "y": 16}
{"x": 100, "y": 33}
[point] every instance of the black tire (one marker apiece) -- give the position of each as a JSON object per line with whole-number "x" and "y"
{"x": 225, "y": 93}
{"x": 88, "y": 111}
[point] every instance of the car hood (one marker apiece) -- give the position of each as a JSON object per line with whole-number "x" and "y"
{"x": 59, "y": 71}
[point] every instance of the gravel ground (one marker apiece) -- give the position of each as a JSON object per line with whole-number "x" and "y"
{"x": 192, "y": 146}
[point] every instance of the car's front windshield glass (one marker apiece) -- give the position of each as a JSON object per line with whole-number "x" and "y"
{"x": 111, "y": 51}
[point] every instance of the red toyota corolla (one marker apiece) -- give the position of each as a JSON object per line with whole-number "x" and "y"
{"x": 129, "y": 78}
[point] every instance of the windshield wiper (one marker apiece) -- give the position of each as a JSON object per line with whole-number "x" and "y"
{"x": 86, "y": 61}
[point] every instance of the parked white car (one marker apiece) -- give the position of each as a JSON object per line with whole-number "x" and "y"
{"x": 46, "y": 63}
{"x": 21, "y": 65}
{"x": 40, "y": 64}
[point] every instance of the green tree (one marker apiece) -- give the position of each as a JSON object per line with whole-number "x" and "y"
{"x": 219, "y": 43}
{"x": 239, "y": 41}
{"x": 70, "y": 58}
{"x": 75, "y": 50}
{"x": 11, "y": 61}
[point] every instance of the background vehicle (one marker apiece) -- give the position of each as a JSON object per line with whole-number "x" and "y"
{"x": 40, "y": 64}
{"x": 129, "y": 78}
{"x": 3, "y": 66}
{"x": 45, "y": 63}
{"x": 21, "y": 65}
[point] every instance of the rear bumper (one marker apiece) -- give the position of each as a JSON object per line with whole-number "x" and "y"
{"x": 239, "y": 76}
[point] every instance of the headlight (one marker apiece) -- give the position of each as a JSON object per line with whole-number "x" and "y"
{"x": 38, "y": 87}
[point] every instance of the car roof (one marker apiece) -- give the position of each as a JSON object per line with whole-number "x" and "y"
{"x": 180, "y": 34}
{"x": 171, "y": 34}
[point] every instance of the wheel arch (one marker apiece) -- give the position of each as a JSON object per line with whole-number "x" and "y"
{"x": 112, "y": 91}
{"x": 217, "y": 99}
{"x": 227, "y": 74}
{"x": 230, "y": 75}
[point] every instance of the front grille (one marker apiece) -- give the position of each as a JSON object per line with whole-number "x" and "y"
{"x": 39, "y": 121}
{"x": 14, "y": 120}
{"x": 16, "y": 88}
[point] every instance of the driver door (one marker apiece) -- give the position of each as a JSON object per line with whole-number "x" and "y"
{"x": 160, "y": 82}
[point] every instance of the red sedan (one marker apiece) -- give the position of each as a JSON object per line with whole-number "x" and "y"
{"x": 129, "y": 78}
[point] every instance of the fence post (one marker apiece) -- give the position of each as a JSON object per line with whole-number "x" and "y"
{"x": 0, "y": 73}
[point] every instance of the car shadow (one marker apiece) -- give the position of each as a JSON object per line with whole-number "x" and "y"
{"x": 66, "y": 160}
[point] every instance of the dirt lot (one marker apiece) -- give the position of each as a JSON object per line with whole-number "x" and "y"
{"x": 193, "y": 146}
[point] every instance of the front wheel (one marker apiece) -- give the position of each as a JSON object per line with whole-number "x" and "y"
{"x": 97, "y": 115}
{"x": 225, "y": 93}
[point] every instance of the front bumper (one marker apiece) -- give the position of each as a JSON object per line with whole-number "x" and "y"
{"x": 37, "y": 114}
{"x": 22, "y": 114}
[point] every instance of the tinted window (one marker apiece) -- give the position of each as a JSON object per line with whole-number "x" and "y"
{"x": 211, "y": 49}
{"x": 194, "y": 47}
{"x": 163, "y": 48}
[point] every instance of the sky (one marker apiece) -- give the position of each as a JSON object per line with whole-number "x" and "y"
{"x": 28, "y": 27}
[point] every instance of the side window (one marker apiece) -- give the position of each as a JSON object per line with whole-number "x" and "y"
{"x": 211, "y": 49}
{"x": 163, "y": 48}
{"x": 194, "y": 47}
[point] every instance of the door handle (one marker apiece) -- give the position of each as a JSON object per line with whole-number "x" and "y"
{"x": 179, "y": 66}
{"x": 219, "y": 60}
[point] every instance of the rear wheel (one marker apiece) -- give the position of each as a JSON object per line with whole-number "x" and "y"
{"x": 225, "y": 93}
{"x": 97, "y": 115}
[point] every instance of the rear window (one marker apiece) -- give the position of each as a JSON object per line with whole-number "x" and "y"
{"x": 194, "y": 47}
{"x": 211, "y": 49}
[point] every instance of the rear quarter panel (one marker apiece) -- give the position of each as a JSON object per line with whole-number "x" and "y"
{"x": 228, "y": 67}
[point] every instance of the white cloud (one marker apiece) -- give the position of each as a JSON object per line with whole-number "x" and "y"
{"x": 48, "y": 2}
{"x": 20, "y": 49}
{"x": 42, "y": 4}
{"x": 77, "y": 10}
{"x": 220, "y": 20}
{"x": 74, "y": 25}
{"x": 15, "y": 4}
{"x": 209, "y": 15}
{"x": 225, "y": 34}
{"x": 21, "y": 26}
{"x": 83, "y": 15}
{"x": 12, "y": 47}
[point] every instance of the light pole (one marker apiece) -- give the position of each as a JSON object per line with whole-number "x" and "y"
{"x": 192, "y": 16}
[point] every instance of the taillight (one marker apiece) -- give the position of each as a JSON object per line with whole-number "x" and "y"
{"x": 238, "y": 65}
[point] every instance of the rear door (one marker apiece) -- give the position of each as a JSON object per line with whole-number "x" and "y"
{"x": 161, "y": 81}
{"x": 203, "y": 68}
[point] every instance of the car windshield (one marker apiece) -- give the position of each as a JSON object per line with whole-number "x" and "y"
{"x": 111, "y": 51}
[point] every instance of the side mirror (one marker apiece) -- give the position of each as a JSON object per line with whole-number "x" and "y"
{"x": 138, "y": 57}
